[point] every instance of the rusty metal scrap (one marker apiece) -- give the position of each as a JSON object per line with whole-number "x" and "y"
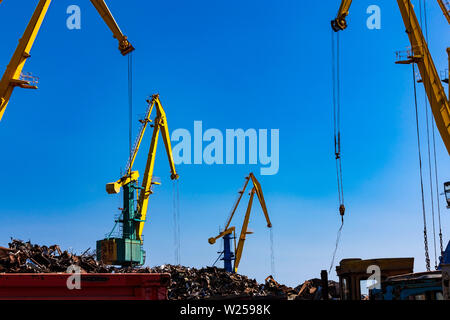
{"x": 208, "y": 283}
{"x": 24, "y": 257}
{"x": 311, "y": 290}
{"x": 186, "y": 283}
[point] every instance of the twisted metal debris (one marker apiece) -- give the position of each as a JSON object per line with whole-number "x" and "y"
{"x": 186, "y": 283}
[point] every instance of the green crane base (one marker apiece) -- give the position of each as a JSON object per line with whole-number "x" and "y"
{"x": 119, "y": 251}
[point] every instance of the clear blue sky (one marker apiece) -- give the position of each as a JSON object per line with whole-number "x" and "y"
{"x": 232, "y": 64}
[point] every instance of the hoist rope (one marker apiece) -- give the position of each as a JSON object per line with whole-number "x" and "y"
{"x": 431, "y": 186}
{"x": 338, "y": 238}
{"x": 425, "y": 28}
{"x": 434, "y": 150}
{"x": 176, "y": 222}
{"x": 437, "y": 191}
{"x": 178, "y": 219}
{"x": 130, "y": 105}
{"x": 337, "y": 113}
{"x": 272, "y": 254}
{"x": 335, "y": 70}
{"x": 425, "y": 233}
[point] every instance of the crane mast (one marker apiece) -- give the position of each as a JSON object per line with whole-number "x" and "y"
{"x": 13, "y": 75}
{"x": 127, "y": 249}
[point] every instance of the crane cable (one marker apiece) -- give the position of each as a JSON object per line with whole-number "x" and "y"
{"x": 437, "y": 190}
{"x": 425, "y": 233}
{"x": 130, "y": 111}
{"x": 176, "y": 222}
{"x": 337, "y": 119}
{"x": 435, "y": 161}
{"x": 425, "y": 27}
{"x": 335, "y": 48}
{"x": 272, "y": 254}
{"x": 130, "y": 106}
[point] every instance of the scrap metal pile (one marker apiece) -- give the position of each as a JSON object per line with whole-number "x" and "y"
{"x": 212, "y": 283}
{"x": 24, "y": 257}
{"x": 186, "y": 283}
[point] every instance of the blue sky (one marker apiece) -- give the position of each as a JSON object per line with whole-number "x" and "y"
{"x": 234, "y": 64}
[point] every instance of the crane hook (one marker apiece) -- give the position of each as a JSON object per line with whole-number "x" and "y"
{"x": 342, "y": 211}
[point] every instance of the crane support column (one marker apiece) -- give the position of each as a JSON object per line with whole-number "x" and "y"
{"x": 421, "y": 56}
{"x": 11, "y": 77}
{"x": 228, "y": 255}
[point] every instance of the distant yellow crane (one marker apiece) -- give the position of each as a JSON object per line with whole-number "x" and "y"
{"x": 13, "y": 76}
{"x": 226, "y": 234}
{"x": 128, "y": 250}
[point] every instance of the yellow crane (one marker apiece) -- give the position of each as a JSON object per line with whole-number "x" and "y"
{"x": 420, "y": 55}
{"x": 445, "y": 7}
{"x": 226, "y": 234}
{"x": 13, "y": 76}
{"x": 127, "y": 250}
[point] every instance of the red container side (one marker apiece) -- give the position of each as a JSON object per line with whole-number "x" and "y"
{"x": 93, "y": 286}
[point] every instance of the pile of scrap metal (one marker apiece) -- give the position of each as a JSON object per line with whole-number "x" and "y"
{"x": 213, "y": 283}
{"x": 312, "y": 290}
{"x": 24, "y": 257}
{"x": 186, "y": 283}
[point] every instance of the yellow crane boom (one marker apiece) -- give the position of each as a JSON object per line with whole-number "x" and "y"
{"x": 125, "y": 46}
{"x": 160, "y": 125}
{"x": 420, "y": 55}
{"x": 445, "y": 7}
{"x": 12, "y": 77}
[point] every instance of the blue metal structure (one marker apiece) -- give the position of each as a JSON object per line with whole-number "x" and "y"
{"x": 414, "y": 286}
{"x": 445, "y": 258}
{"x": 228, "y": 255}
